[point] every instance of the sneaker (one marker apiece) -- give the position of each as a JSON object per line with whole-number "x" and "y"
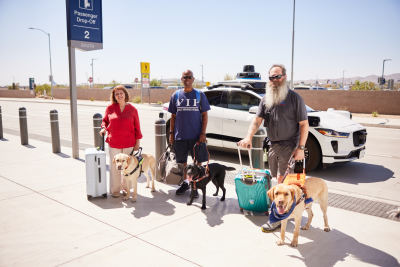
{"x": 196, "y": 194}
{"x": 270, "y": 227}
{"x": 181, "y": 190}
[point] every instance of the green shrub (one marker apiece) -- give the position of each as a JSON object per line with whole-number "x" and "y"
{"x": 375, "y": 114}
{"x": 159, "y": 102}
{"x": 39, "y": 90}
{"x": 136, "y": 99}
{"x": 91, "y": 99}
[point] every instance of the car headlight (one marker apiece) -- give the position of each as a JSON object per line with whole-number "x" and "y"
{"x": 332, "y": 133}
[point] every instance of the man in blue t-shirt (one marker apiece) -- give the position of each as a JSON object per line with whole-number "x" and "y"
{"x": 188, "y": 123}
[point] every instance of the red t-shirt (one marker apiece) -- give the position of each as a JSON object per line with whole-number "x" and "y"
{"x": 123, "y": 128}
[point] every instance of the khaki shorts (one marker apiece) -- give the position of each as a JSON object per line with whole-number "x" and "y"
{"x": 278, "y": 158}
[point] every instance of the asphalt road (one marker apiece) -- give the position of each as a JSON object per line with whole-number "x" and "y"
{"x": 374, "y": 177}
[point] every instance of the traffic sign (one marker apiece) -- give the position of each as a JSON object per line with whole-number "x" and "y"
{"x": 84, "y": 24}
{"x": 145, "y": 67}
{"x": 90, "y": 79}
{"x": 31, "y": 83}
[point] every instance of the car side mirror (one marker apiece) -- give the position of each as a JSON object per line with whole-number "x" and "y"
{"x": 253, "y": 110}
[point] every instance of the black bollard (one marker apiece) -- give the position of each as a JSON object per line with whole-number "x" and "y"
{"x": 160, "y": 140}
{"x": 98, "y": 139}
{"x": 23, "y": 126}
{"x": 257, "y": 151}
{"x": 1, "y": 125}
{"x": 55, "y": 132}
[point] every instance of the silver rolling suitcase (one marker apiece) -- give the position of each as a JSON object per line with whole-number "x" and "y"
{"x": 96, "y": 181}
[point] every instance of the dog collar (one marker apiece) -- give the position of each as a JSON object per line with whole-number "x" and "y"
{"x": 276, "y": 217}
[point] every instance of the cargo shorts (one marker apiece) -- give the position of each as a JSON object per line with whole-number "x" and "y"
{"x": 184, "y": 147}
{"x": 278, "y": 158}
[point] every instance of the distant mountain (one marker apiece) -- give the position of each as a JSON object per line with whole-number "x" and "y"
{"x": 351, "y": 80}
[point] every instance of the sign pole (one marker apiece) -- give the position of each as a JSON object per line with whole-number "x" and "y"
{"x": 141, "y": 89}
{"x": 84, "y": 32}
{"x": 73, "y": 105}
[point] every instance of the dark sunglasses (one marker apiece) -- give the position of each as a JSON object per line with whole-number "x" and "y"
{"x": 276, "y": 77}
{"x": 187, "y": 77}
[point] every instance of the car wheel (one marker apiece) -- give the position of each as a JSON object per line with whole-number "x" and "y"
{"x": 312, "y": 154}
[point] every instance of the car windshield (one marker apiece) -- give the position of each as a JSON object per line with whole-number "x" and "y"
{"x": 309, "y": 109}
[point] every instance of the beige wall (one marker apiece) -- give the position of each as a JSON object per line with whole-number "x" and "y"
{"x": 156, "y": 95}
{"x": 384, "y": 102}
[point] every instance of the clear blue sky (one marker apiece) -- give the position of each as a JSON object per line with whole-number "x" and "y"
{"x": 331, "y": 36}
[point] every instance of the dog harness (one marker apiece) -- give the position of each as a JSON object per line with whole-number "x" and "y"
{"x": 137, "y": 167}
{"x": 138, "y": 156}
{"x": 195, "y": 181}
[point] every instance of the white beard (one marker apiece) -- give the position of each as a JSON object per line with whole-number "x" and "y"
{"x": 274, "y": 96}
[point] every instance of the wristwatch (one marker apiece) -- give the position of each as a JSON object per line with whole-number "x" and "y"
{"x": 302, "y": 147}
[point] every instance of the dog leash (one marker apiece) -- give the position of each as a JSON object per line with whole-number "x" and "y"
{"x": 291, "y": 164}
{"x": 194, "y": 155}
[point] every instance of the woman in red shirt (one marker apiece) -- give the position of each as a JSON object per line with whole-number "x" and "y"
{"x": 121, "y": 121}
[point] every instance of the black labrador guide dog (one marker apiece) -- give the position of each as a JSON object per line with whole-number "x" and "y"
{"x": 201, "y": 177}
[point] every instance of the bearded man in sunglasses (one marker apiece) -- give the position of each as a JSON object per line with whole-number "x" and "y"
{"x": 285, "y": 118}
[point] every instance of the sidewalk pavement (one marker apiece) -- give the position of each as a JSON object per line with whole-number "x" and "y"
{"x": 46, "y": 220}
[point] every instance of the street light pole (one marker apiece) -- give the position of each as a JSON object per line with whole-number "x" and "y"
{"x": 92, "y": 72}
{"x": 294, "y": 12}
{"x": 343, "y": 80}
{"x": 202, "y": 77}
{"x": 383, "y": 69}
{"x": 51, "y": 69}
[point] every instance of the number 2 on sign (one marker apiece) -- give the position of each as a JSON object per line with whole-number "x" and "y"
{"x": 87, "y": 35}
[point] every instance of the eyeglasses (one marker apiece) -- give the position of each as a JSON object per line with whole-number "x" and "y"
{"x": 120, "y": 93}
{"x": 275, "y": 77}
{"x": 187, "y": 77}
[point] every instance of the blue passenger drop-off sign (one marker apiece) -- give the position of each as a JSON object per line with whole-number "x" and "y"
{"x": 84, "y": 24}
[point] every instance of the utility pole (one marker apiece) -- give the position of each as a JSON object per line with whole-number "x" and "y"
{"x": 383, "y": 70}
{"x": 92, "y": 72}
{"x": 294, "y": 12}
{"x": 202, "y": 77}
{"x": 343, "y": 79}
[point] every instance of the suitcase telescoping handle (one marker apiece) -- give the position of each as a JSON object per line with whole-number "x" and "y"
{"x": 251, "y": 163}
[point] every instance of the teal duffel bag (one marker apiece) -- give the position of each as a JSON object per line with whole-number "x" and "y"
{"x": 251, "y": 188}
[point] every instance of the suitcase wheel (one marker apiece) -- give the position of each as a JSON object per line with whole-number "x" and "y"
{"x": 89, "y": 197}
{"x": 266, "y": 213}
{"x": 104, "y": 195}
{"x": 241, "y": 209}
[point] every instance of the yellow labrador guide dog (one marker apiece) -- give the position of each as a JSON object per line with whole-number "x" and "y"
{"x": 131, "y": 167}
{"x": 290, "y": 201}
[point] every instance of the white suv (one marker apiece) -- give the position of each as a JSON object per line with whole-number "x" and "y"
{"x": 333, "y": 136}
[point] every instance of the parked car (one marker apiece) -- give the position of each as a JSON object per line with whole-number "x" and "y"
{"x": 157, "y": 87}
{"x": 175, "y": 87}
{"x": 302, "y": 87}
{"x": 333, "y": 136}
{"x": 127, "y": 86}
{"x": 318, "y": 88}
